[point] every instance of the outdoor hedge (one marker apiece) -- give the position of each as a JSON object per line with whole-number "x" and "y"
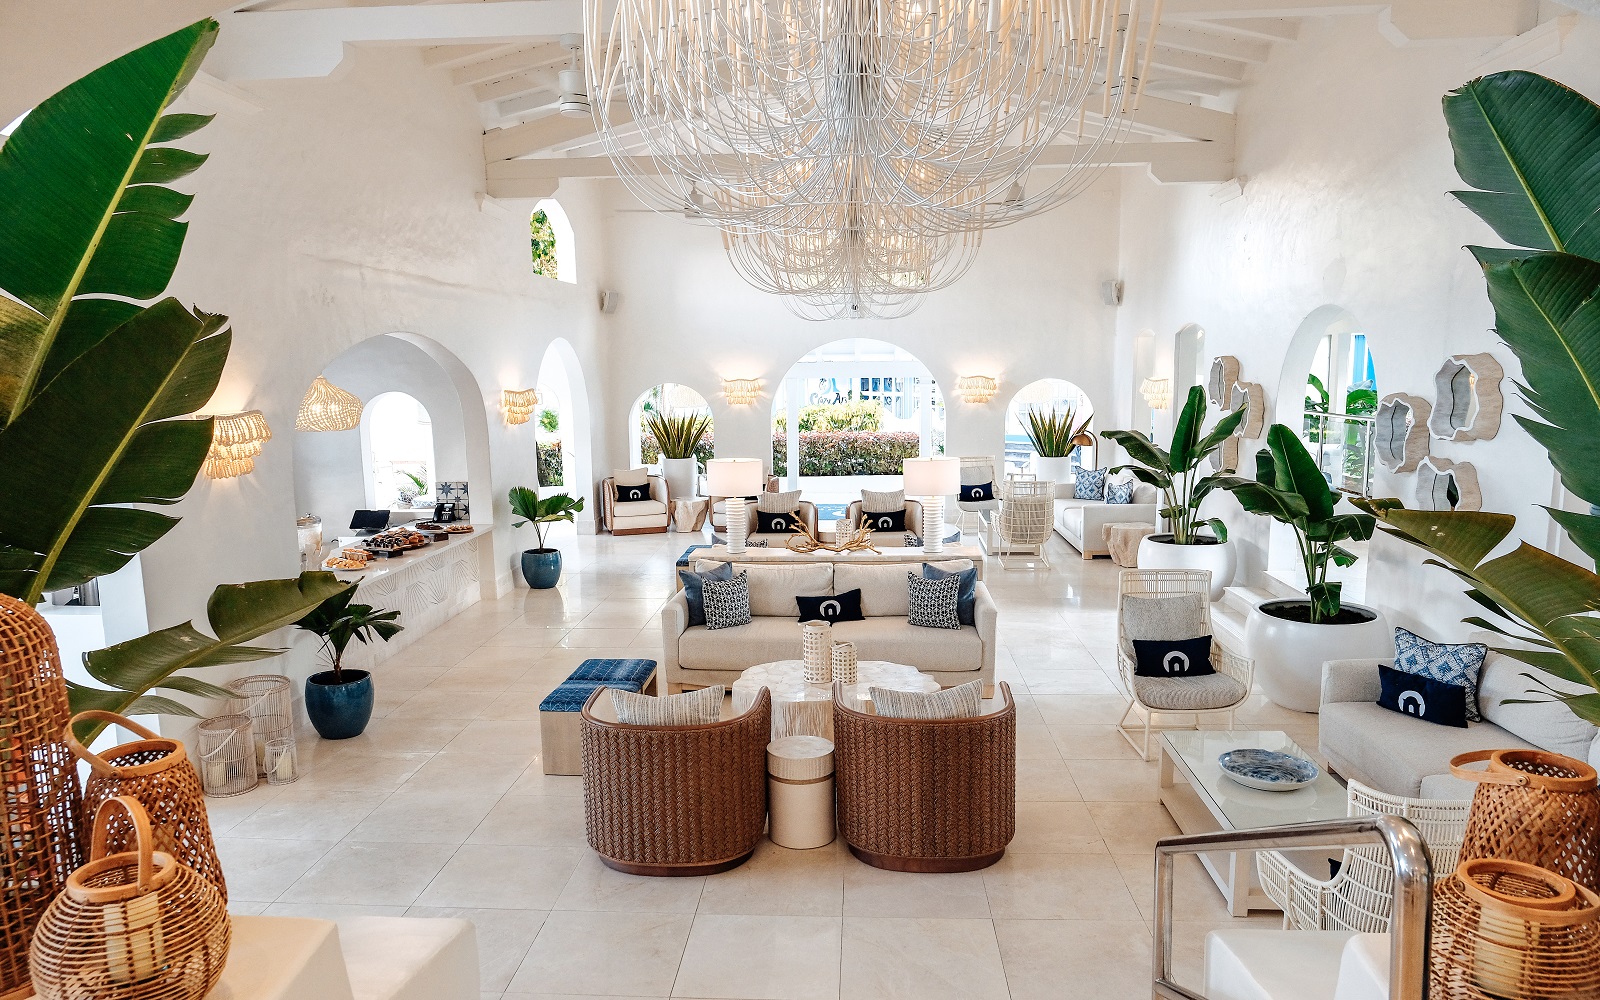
{"x": 847, "y": 453}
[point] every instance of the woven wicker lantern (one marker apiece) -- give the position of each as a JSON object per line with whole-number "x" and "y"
{"x": 1536, "y": 807}
{"x": 327, "y": 407}
{"x": 236, "y": 440}
{"x": 39, "y": 781}
{"x": 131, "y": 926}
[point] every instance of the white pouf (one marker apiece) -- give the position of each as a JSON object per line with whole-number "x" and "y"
{"x": 800, "y": 792}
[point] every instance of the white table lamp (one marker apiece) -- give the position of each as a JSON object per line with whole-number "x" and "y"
{"x": 932, "y": 479}
{"x": 734, "y": 479}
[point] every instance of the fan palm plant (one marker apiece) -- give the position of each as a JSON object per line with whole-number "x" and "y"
{"x": 678, "y": 433}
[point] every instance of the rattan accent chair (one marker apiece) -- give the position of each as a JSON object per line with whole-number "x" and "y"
{"x": 1025, "y": 520}
{"x": 1360, "y": 898}
{"x": 921, "y": 795}
{"x": 675, "y": 800}
{"x": 1219, "y": 693}
{"x": 975, "y": 471}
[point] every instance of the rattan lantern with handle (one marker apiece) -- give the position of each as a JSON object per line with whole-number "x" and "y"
{"x": 1534, "y": 806}
{"x": 137, "y": 925}
{"x": 155, "y": 771}
{"x": 1509, "y": 929}
{"x": 43, "y": 805}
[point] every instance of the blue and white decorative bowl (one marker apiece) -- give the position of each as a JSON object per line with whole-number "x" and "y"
{"x": 1268, "y": 770}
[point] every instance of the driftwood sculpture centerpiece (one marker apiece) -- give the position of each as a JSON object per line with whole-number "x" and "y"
{"x": 804, "y": 540}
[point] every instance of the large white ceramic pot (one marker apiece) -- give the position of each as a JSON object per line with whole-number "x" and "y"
{"x": 1159, "y": 552}
{"x": 1055, "y": 470}
{"x": 1289, "y": 653}
{"x": 680, "y": 476}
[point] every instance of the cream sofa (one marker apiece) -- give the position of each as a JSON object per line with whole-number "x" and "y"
{"x": 1080, "y": 521}
{"x": 1405, "y": 756}
{"x": 697, "y": 656}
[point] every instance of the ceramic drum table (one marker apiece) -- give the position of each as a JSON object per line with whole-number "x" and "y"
{"x": 801, "y": 709}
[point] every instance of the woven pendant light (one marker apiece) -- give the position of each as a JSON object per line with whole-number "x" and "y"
{"x": 39, "y": 781}
{"x": 327, "y": 407}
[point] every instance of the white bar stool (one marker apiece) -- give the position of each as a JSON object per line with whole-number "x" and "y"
{"x": 800, "y": 792}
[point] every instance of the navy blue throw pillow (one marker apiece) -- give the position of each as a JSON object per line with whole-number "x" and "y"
{"x": 1423, "y": 697}
{"x": 886, "y": 520}
{"x": 1173, "y": 657}
{"x": 977, "y": 492}
{"x": 776, "y": 524}
{"x": 845, "y": 607}
{"x": 966, "y": 597}
{"x": 632, "y": 494}
{"x": 695, "y": 593}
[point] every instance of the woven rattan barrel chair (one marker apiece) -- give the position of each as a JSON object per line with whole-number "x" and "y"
{"x": 919, "y": 795}
{"x": 1361, "y": 896}
{"x": 1025, "y": 520}
{"x": 675, "y": 800}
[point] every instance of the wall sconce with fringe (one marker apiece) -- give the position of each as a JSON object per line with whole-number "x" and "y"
{"x": 741, "y": 391}
{"x": 519, "y": 404}
{"x": 1157, "y": 393}
{"x": 236, "y": 440}
{"x": 977, "y": 388}
{"x": 326, "y": 407}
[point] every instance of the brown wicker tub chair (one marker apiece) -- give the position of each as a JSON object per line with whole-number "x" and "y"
{"x": 919, "y": 795}
{"x": 675, "y": 800}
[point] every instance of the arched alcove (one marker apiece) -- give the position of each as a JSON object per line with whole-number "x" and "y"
{"x": 397, "y": 452}
{"x": 1188, "y": 361}
{"x": 666, "y": 399}
{"x": 563, "y": 390}
{"x": 549, "y": 225}
{"x": 1062, "y": 401}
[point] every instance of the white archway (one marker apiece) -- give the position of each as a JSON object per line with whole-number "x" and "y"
{"x": 1188, "y": 361}
{"x": 396, "y": 445}
{"x": 560, "y": 370}
{"x": 1047, "y": 394}
{"x": 664, "y": 397}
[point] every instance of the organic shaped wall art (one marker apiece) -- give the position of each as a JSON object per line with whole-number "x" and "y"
{"x": 1253, "y": 398}
{"x": 1446, "y": 485}
{"x": 1467, "y": 401}
{"x": 1224, "y": 373}
{"x": 1400, "y": 431}
{"x": 1226, "y": 457}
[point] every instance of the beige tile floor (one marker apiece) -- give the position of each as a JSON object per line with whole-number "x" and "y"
{"x": 442, "y": 808}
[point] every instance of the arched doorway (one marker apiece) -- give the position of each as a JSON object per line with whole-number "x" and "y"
{"x": 1050, "y": 419}
{"x": 565, "y": 447}
{"x": 397, "y": 451}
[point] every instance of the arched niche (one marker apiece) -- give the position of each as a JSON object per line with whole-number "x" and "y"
{"x": 1188, "y": 361}
{"x": 1044, "y": 396}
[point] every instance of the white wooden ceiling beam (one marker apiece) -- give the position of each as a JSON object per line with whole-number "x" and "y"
{"x": 542, "y": 134}
{"x": 518, "y": 61}
{"x": 513, "y": 85}
{"x": 1196, "y": 64}
{"x": 1213, "y": 10}
{"x": 284, "y": 44}
{"x": 1189, "y": 121}
{"x": 1168, "y": 83}
{"x": 451, "y": 56}
{"x": 1223, "y": 43}
{"x": 1266, "y": 29}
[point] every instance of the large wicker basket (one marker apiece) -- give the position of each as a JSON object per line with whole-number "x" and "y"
{"x": 43, "y": 806}
{"x": 1509, "y": 929}
{"x": 132, "y": 926}
{"x": 155, "y": 771}
{"x": 1534, "y": 806}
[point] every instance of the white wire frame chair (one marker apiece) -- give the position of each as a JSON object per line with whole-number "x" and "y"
{"x": 1360, "y": 896}
{"x": 1173, "y": 583}
{"x": 1024, "y": 521}
{"x": 976, "y": 470}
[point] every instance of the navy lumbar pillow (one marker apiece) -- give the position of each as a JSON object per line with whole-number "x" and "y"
{"x": 886, "y": 520}
{"x": 632, "y": 494}
{"x": 694, "y": 589}
{"x": 1423, "y": 697}
{"x": 777, "y": 524}
{"x": 966, "y": 597}
{"x": 1173, "y": 657}
{"x": 845, "y": 607}
{"x": 977, "y": 492}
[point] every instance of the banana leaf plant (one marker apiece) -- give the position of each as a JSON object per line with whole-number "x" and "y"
{"x": 1530, "y": 150}
{"x": 1290, "y": 489}
{"x": 1173, "y": 471}
{"x": 99, "y": 384}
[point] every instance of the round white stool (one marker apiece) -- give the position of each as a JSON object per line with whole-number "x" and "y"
{"x": 800, "y": 792}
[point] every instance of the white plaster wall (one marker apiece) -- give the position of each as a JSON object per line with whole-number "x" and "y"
{"x": 1347, "y": 165}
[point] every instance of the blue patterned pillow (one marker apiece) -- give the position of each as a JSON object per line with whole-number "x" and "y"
{"x": 1448, "y": 663}
{"x": 1119, "y": 492}
{"x": 1091, "y": 485}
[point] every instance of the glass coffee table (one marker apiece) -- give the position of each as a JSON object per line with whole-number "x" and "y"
{"x": 1202, "y": 799}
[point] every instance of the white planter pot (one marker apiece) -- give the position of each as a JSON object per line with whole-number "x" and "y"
{"x": 680, "y": 475}
{"x": 1158, "y": 552}
{"x": 1056, "y": 470}
{"x": 1289, "y": 654}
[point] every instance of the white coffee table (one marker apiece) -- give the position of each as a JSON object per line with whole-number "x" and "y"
{"x": 1207, "y": 800}
{"x": 801, "y": 709}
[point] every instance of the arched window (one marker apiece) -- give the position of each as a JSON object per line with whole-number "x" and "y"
{"x": 547, "y": 435}
{"x": 674, "y": 402}
{"x": 397, "y": 436}
{"x": 1341, "y": 401}
{"x": 1057, "y": 414}
{"x": 552, "y": 244}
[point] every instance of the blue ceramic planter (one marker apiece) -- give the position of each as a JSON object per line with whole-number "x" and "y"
{"x": 541, "y": 567}
{"x": 339, "y": 711}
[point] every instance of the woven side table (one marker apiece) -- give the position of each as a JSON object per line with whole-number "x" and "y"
{"x": 800, "y": 792}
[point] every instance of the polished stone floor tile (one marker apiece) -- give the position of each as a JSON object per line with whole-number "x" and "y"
{"x": 761, "y": 958}
{"x": 381, "y": 874}
{"x": 605, "y": 954}
{"x": 898, "y": 958}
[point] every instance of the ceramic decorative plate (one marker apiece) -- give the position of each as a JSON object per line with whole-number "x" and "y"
{"x": 1268, "y": 769}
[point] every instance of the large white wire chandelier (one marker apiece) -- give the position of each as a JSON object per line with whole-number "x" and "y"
{"x": 853, "y": 151}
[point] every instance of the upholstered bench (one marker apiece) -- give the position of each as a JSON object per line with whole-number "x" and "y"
{"x": 558, "y": 713}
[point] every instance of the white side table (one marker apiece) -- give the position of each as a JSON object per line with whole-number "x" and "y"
{"x": 800, "y": 792}
{"x": 801, "y": 709}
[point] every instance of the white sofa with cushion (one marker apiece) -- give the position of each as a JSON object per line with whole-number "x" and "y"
{"x": 1406, "y": 756}
{"x": 697, "y": 656}
{"x": 1080, "y": 521}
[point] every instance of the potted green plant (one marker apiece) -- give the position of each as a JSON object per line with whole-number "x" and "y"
{"x": 1053, "y": 435}
{"x": 339, "y": 701}
{"x": 678, "y": 434}
{"x": 1289, "y": 639}
{"x": 541, "y": 566}
{"x": 418, "y": 486}
{"x": 1175, "y": 471}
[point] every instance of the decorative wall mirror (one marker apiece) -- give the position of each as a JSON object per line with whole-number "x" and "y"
{"x": 1400, "y": 431}
{"x": 1224, "y": 372}
{"x": 1253, "y": 398}
{"x": 1446, "y": 485}
{"x": 1467, "y": 400}
{"x": 1226, "y": 456}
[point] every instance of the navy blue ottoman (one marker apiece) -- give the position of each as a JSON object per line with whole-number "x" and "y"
{"x": 558, "y": 713}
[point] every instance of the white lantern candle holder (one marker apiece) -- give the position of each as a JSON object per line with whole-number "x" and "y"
{"x": 817, "y": 652}
{"x": 844, "y": 662}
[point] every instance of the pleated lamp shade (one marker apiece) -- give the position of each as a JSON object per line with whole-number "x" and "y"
{"x": 328, "y": 408}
